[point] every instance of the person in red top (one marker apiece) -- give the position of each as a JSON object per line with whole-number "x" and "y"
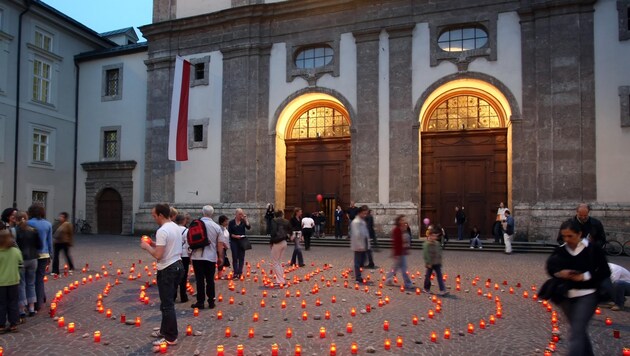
{"x": 401, "y": 242}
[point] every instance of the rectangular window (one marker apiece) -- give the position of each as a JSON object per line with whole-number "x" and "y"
{"x": 112, "y": 82}
{"x": 43, "y": 40}
{"x": 39, "y": 197}
{"x": 41, "y": 81}
{"x": 41, "y": 141}
{"x": 200, "y": 71}
{"x": 110, "y": 144}
{"x": 198, "y": 133}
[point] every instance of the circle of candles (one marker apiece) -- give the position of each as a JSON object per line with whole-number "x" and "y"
{"x": 447, "y": 333}
{"x": 386, "y": 325}
{"x": 387, "y": 344}
{"x": 61, "y": 322}
{"x": 399, "y": 341}
{"x": 289, "y": 333}
{"x": 70, "y": 327}
{"x": 97, "y": 336}
{"x": 138, "y": 321}
{"x": 228, "y": 332}
{"x": 322, "y": 332}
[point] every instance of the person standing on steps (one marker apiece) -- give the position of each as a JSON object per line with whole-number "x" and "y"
{"x": 508, "y": 231}
{"x": 460, "y": 219}
{"x": 307, "y": 230}
{"x": 338, "y": 222}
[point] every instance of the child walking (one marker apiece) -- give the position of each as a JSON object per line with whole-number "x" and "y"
{"x": 432, "y": 252}
{"x": 10, "y": 261}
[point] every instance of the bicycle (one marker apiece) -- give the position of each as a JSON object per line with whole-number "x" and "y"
{"x": 82, "y": 226}
{"x": 613, "y": 248}
{"x": 626, "y": 248}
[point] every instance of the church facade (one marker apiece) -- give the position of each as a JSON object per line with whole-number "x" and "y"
{"x": 409, "y": 107}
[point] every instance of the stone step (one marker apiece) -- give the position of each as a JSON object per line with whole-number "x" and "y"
{"x": 463, "y": 245}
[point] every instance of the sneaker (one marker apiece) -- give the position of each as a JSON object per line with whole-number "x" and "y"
{"x": 371, "y": 267}
{"x": 198, "y": 305}
{"x": 211, "y": 305}
{"x": 426, "y": 291}
{"x": 481, "y": 247}
{"x": 389, "y": 282}
{"x": 169, "y": 343}
{"x": 615, "y": 308}
{"x": 157, "y": 335}
{"x": 443, "y": 293}
{"x": 471, "y": 247}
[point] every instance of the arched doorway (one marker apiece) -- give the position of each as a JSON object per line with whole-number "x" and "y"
{"x": 109, "y": 212}
{"x": 464, "y": 158}
{"x": 317, "y": 140}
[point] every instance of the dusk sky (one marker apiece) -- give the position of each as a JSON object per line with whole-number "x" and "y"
{"x": 107, "y": 15}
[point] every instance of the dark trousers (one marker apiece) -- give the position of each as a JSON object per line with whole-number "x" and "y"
{"x": 337, "y": 229}
{"x": 182, "y": 285}
{"x": 238, "y": 257}
{"x": 438, "y": 276}
{"x": 359, "y": 260}
{"x": 307, "y": 233}
{"x": 168, "y": 280}
{"x": 9, "y": 296}
{"x": 58, "y": 247}
{"x": 579, "y": 311}
{"x": 620, "y": 290}
{"x": 40, "y": 290}
{"x": 204, "y": 276}
{"x": 460, "y": 231}
{"x": 370, "y": 258}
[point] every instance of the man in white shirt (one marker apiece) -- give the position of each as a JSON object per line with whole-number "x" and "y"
{"x": 307, "y": 230}
{"x": 205, "y": 260}
{"x": 167, "y": 249}
{"x": 620, "y": 278}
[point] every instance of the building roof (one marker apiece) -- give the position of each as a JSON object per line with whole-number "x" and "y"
{"x": 111, "y": 52}
{"x": 129, "y": 31}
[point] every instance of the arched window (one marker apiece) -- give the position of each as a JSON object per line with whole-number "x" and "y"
{"x": 320, "y": 122}
{"x": 463, "y": 39}
{"x": 464, "y": 112}
{"x": 314, "y": 57}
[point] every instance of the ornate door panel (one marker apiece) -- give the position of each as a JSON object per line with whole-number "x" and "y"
{"x": 109, "y": 212}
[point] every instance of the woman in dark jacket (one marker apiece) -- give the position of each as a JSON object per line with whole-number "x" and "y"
{"x": 583, "y": 268}
{"x": 269, "y": 215}
{"x": 29, "y": 243}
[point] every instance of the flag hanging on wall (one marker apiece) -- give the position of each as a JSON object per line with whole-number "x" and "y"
{"x": 178, "y": 129}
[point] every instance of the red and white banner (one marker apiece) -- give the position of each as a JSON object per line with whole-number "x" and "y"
{"x": 178, "y": 128}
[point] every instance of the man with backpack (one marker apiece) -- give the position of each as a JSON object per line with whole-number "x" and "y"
{"x": 206, "y": 241}
{"x": 279, "y": 233}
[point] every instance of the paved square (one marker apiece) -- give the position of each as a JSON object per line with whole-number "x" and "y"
{"x": 524, "y": 328}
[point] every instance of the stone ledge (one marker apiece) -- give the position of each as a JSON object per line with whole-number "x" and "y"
{"x": 109, "y": 165}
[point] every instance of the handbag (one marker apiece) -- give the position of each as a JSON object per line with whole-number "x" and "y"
{"x": 554, "y": 289}
{"x": 244, "y": 243}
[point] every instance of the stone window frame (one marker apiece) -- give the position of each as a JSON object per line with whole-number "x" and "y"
{"x": 49, "y": 163}
{"x": 311, "y": 75}
{"x": 206, "y": 71}
{"x": 40, "y": 192}
{"x": 462, "y": 59}
{"x": 624, "y": 105}
{"x": 119, "y": 93}
{"x": 102, "y": 143}
{"x": 44, "y": 35}
{"x": 192, "y": 144}
{"x": 623, "y": 11}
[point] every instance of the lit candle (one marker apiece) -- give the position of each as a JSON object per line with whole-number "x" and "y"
{"x": 228, "y": 332}
{"x": 196, "y": 312}
{"x": 138, "y": 321}
{"x": 353, "y": 311}
{"x": 274, "y": 350}
{"x": 388, "y": 344}
{"x": 471, "y": 328}
{"x": 626, "y": 351}
{"x": 598, "y": 311}
{"x": 458, "y": 287}
{"x": 387, "y": 299}
{"x": 511, "y": 290}
{"x": 492, "y": 319}
{"x": 333, "y": 349}
{"x": 327, "y": 315}
{"x": 431, "y": 313}
{"x": 303, "y": 304}
{"x": 220, "y": 349}
{"x": 70, "y": 327}
{"x": 101, "y": 309}
{"x": 289, "y": 333}
{"x": 447, "y": 333}
{"x": 283, "y": 304}
{"x": 354, "y": 348}
{"x": 482, "y": 324}
{"x": 163, "y": 347}
{"x": 108, "y": 313}
{"x": 240, "y": 348}
{"x": 262, "y": 303}
{"x": 255, "y": 317}
{"x": 61, "y": 322}
{"x": 399, "y": 341}
{"x": 525, "y": 294}
{"x": 305, "y": 316}
{"x": 250, "y": 333}
{"x": 434, "y": 336}
{"x": 231, "y": 301}
{"x": 318, "y": 302}
{"x": 386, "y": 325}
{"x": 349, "y": 328}
{"x": 219, "y": 315}
{"x": 322, "y": 332}
{"x": 97, "y": 336}
{"x": 414, "y": 320}
{"x": 438, "y": 308}
{"x": 608, "y": 321}
{"x": 297, "y": 293}
{"x": 220, "y": 299}
{"x": 189, "y": 330}
{"x": 298, "y": 350}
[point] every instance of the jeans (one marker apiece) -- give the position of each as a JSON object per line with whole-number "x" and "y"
{"x": 238, "y": 257}
{"x": 182, "y": 285}
{"x": 359, "y": 260}
{"x": 9, "y": 305}
{"x": 508, "y": 243}
{"x": 277, "y": 250}
{"x": 58, "y": 247}
{"x": 27, "y": 282}
{"x": 438, "y": 276}
{"x": 400, "y": 263}
{"x": 168, "y": 280}
{"x": 579, "y": 312}
{"x": 620, "y": 290}
{"x": 204, "y": 276}
{"x": 297, "y": 252}
{"x": 475, "y": 241}
{"x": 40, "y": 290}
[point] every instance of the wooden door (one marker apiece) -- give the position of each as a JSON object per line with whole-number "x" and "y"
{"x": 466, "y": 168}
{"x": 109, "y": 212}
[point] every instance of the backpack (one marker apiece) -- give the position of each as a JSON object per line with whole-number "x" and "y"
{"x": 197, "y": 235}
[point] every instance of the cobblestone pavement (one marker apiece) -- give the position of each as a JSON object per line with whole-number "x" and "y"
{"x": 524, "y": 329}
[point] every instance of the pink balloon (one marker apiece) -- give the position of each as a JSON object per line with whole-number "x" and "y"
{"x": 426, "y": 221}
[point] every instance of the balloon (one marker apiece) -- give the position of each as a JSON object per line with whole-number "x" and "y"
{"x": 426, "y": 221}
{"x": 320, "y": 198}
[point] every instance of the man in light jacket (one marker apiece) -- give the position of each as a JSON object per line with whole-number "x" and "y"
{"x": 359, "y": 241}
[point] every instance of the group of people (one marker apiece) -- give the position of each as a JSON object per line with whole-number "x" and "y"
{"x": 27, "y": 241}
{"x": 174, "y": 253}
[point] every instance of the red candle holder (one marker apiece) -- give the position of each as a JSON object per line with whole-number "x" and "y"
{"x": 189, "y": 330}
{"x": 386, "y": 325}
{"x": 327, "y": 315}
{"x": 616, "y": 334}
{"x": 399, "y": 341}
{"x": 123, "y": 318}
{"x": 228, "y": 332}
{"x": 431, "y": 313}
{"x": 163, "y": 347}
{"x": 354, "y": 348}
{"x": 196, "y": 312}
{"x": 289, "y": 333}
{"x": 298, "y": 350}
{"x": 322, "y": 332}
{"x": 333, "y": 349}
{"x": 220, "y": 350}
{"x": 447, "y": 333}
{"x": 240, "y": 349}
{"x": 353, "y": 311}
{"x": 71, "y": 327}
{"x": 97, "y": 336}
{"x": 304, "y": 316}
{"x": 414, "y": 320}
{"x": 368, "y": 308}
{"x": 387, "y": 344}
{"x": 434, "y": 336}
{"x": 250, "y": 333}
{"x": 138, "y": 321}
{"x": 608, "y": 321}
{"x": 255, "y": 317}
{"x": 219, "y": 315}
{"x": 471, "y": 328}
{"x": 482, "y": 324}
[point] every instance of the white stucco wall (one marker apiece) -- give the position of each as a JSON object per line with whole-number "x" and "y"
{"x": 611, "y": 72}
{"x": 129, "y": 113}
{"x": 205, "y": 101}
